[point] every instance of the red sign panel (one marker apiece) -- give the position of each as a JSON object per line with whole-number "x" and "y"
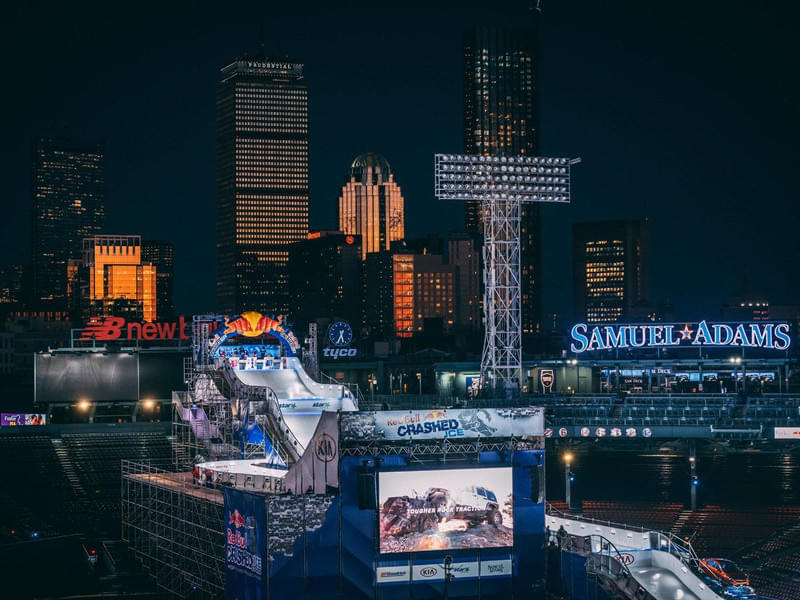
{"x": 105, "y": 329}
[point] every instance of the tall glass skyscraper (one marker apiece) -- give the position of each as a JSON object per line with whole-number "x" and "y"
{"x": 68, "y": 205}
{"x": 501, "y": 118}
{"x": 371, "y": 204}
{"x": 262, "y": 181}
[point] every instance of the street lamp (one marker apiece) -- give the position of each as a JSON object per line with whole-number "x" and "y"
{"x": 419, "y": 380}
{"x": 693, "y": 479}
{"x": 568, "y": 478}
{"x": 372, "y": 387}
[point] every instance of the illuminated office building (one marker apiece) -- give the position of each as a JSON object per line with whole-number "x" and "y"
{"x": 262, "y": 181}
{"x": 117, "y": 281}
{"x": 610, "y": 269}
{"x": 161, "y": 255}
{"x": 501, "y": 118}
{"x": 408, "y": 292}
{"x": 68, "y": 205}
{"x": 371, "y": 204}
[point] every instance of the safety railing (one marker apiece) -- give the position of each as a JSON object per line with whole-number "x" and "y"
{"x": 290, "y": 446}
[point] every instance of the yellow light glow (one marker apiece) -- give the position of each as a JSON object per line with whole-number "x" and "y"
{"x": 568, "y": 457}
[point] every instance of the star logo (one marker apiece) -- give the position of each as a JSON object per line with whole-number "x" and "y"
{"x": 686, "y": 332}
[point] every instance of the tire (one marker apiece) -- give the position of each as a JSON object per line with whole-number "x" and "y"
{"x": 495, "y": 518}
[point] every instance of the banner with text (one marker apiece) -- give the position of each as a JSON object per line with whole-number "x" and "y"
{"x": 245, "y": 545}
{"x": 442, "y": 424}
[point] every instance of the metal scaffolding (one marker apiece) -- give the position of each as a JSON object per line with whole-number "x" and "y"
{"x": 502, "y": 184}
{"x": 175, "y": 528}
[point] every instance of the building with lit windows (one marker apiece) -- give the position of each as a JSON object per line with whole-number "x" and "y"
{"x": 116, "y": 282}
{"x": 161, "y": 255}
{"x": 371, "y": 204}
{"x": 325, "y": 278}
{"x": 68, "y": 205}
{"x": 610, "y": 269}
{"x": 501, "y": 118}
{"x": 409, "y": 293}
{"x": 262, "y": 181}
{"x": 463, "y": 253}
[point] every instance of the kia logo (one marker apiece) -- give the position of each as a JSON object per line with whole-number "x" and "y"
{"x": 428, "y": 571}
{"x": 627, "y": 558}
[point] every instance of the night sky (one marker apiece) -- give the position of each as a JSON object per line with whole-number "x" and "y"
{"x": 683, "y": 112}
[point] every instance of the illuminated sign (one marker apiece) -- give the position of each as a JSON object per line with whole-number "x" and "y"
{"x": 22, "y": 419}
{"x": 105, "y": 329}
{"x": 787, "y": 433}
{"x": 771, "y": 336}
{"x": 254, "y": 324}
{"x": 340, "y": 334}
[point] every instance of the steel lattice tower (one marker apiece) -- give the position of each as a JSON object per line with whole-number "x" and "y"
{"x": 502, "y": 184}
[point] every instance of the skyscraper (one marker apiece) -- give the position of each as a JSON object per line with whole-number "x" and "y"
{"x": 119, "y": 283}
{"x": 262, "y": 180}
{"x": 68, "y": 205}
{"x": 501, "y": 118}
{"x": 371, "y": 204}
{"x": 161, "y": 255}
{"x": 610, "y": 269}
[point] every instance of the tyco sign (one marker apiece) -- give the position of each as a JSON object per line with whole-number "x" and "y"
{"x": 772, "y": 336}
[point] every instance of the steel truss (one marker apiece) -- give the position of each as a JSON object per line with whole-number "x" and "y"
{"x": 501, "y": 184}
{"x": 173, "y": 527}
{"x": 446, "y": 448}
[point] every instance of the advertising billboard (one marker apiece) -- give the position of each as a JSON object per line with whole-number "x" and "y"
{"x": 787, "y": 433}
{"x": 245, "y": 544}
{"x": 437, "y": 424}
{"x": 445, "y": 509}
{"x": 91, "y": 376}
{"x": 22, "y": 419}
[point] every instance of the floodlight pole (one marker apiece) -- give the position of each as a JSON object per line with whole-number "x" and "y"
{"x": 502, "y": 184}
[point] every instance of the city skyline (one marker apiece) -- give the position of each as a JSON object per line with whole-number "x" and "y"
{"x": 661, "y": 164}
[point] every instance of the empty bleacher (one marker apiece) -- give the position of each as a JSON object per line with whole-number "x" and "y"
{"x": 67, "y": 480}
{"x": 672, "y": 410}
{"x": 97, "y": 457}
{"x": 647, "y": 515}
{"x": 723, "y": 531}
{"x": 36, "y": 495}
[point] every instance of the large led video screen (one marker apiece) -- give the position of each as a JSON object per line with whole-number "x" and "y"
{"x": 92, "y": 376}
{"x": 445, "y": 509}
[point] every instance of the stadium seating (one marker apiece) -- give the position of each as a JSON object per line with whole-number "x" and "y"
{"x": 97, "y": 457}
{"x": 670, "y": 409}
{"x": 722, "y": 531}
{"x": 657, "y": 516}
{"x": 36, "y": 496}
{"x": 60, "y": 485}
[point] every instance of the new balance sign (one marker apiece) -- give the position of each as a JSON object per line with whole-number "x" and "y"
{"x": 105, "y": 329}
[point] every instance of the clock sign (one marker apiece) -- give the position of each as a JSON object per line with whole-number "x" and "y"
{"x": 340, "y": 334}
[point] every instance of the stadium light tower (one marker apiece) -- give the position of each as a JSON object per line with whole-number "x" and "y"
{"x": 502, "y": 184}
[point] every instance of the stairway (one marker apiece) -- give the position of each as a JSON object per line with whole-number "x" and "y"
{"x": 680, "y": 522}
{"x": 68, "y": 469}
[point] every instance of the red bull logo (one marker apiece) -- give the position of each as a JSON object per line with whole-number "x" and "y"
{"x": 236, "y": 519}
{"x": 435, "y": 415}
{"x": 254, "y": 324}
